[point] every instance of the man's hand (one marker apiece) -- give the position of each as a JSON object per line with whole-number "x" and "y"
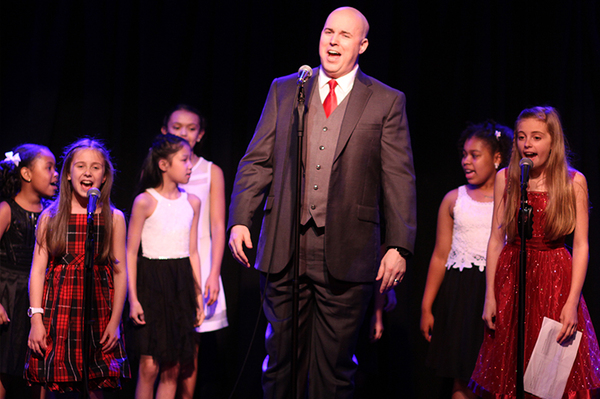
{"x": 391, "y": 270}
{"x": 238, "y": 237}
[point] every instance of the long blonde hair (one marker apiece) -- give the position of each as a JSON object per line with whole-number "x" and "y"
{"x": 55, "y": 234}
{"x": 560, "y": 211}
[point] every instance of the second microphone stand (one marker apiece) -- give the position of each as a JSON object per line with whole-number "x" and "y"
{"x": 525, "y": 232}
{"x": 88, "y": 293}
{"x": 301, "y": 108}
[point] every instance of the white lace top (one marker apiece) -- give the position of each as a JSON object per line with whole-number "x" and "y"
{"x": 471, "y": 232}
{"x": 166, "y": 233}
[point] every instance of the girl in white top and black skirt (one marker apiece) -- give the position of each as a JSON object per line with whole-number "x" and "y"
{"x": 164, "y": 282}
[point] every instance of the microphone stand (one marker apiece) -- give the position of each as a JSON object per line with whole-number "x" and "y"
{"x": 88, "y": 289}
{"x": 301, "y": 109}
{"x": 525, "y": 232}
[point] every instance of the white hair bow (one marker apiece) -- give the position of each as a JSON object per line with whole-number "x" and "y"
{"x": 14, "y": 158}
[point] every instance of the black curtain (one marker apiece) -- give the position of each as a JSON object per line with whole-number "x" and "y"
{"x": 111, "y": 69}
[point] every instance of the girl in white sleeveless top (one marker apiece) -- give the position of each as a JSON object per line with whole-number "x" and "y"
{"x": 457, "y": 268}
{"x": 165, "y": 294}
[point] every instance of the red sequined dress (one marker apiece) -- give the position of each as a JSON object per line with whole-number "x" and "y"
{"x": 548, "y": 283}
{"x": 61, "y": 367}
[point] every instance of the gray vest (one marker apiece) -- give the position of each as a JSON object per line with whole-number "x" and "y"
{"x": 321, "y": 141}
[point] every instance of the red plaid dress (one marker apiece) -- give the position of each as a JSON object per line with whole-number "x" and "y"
{"x": 61, "y": 367}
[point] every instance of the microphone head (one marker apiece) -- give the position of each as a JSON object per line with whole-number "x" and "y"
{"x": 93, "y": 192}
{"x": 305, "y": 68}
{"x": 526, "y": 162}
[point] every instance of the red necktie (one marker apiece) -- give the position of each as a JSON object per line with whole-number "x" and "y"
{"x": 331, "y": 100}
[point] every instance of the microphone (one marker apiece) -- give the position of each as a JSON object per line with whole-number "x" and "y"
{"x": 304, "y": 73}
{"x": 93, "y": 194}
{"x": 526, "y": 164}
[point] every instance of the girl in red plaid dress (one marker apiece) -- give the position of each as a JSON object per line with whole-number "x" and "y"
{"x": 56, "y": 280}
{"x": 165, "y": 295}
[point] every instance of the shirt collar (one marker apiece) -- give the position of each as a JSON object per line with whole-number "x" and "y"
{"x": 345, "y": 82}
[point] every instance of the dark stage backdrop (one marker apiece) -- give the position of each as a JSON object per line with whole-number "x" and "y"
{"x": 111, "y": 69}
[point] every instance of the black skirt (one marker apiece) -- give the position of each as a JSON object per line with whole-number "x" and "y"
{"x": 458, "y": 327}
{"x": 14, "y": 297}
{"x": 166, "y": 291}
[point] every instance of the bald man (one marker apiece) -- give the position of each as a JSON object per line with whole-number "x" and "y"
{"x": 358, "y": 171}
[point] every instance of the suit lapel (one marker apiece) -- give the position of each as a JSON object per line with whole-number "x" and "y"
{"x": 309, "y": 86}
{"x": 357, "y": 100}
{"x": 310, "y": 89}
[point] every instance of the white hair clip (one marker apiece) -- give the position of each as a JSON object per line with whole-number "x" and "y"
{"x": 498, "y": 134}
{"x": 14, "y": 158}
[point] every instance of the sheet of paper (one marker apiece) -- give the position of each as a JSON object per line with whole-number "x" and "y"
{"x": 550, "y": 364}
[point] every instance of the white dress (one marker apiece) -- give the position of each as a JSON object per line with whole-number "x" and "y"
{"x": 199, "y": 185}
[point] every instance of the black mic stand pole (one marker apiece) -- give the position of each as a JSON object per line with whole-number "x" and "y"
{"x": 301, "y": 108}
{"x": 88, "y": 289}
{"x": 525, "y": 231}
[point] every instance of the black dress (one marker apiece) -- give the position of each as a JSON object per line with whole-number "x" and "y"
{"x": 16, "y": 253}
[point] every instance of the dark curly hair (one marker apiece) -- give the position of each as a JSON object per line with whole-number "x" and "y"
{"x": 497, "y": 137}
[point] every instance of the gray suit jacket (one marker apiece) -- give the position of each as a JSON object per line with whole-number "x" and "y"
{"x": 372, "y": 177}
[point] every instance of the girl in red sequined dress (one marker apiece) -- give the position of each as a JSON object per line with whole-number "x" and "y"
{"x": 559, "y": 197}
{"x": 55, "y": 358}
